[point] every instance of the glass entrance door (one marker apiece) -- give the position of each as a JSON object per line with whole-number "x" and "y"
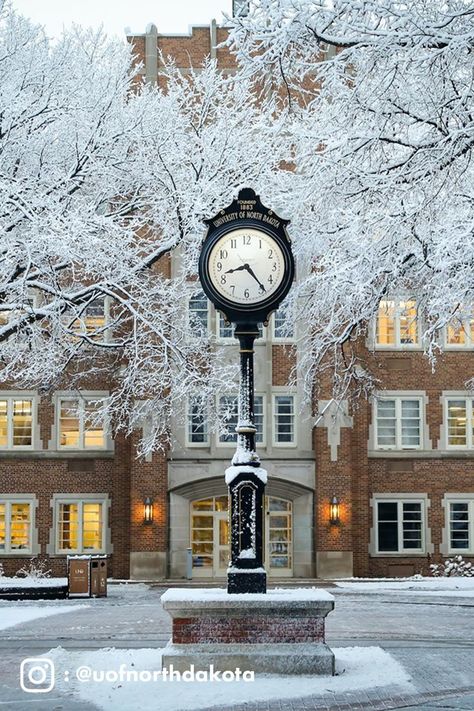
{"x": 210, "y": 537}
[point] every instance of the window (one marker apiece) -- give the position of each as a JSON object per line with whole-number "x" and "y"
{"x": 460, "y": 423}
{"x": 228, "y": 412}
{"x": 16, "y": 422}
{"x": 282, "y": 328}
{"x": 461, "y": 524}
{"x": 397, "y": 324}
{"x": 197, "y": 422}
{"x": 400, "y": 526}
{"x": 80, "y": 526}
{"x": 81, "y": 424}
{"x": 459, "y": 332}
{"x": 93, "y": 318}
{"x": 15, "y": 526}
{"x": 398, "y": 423}
{"x": 26, "y": 305}
{"x": 199, "y": 314}
{"x": 284, "y": 420}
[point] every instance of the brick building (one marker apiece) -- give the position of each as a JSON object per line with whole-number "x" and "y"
{"x": 401, "y": 466}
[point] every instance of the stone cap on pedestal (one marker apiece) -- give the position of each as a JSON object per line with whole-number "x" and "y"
{"x": 217, "y": 601}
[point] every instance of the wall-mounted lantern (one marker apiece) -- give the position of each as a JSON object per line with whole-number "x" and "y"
{"x": 148, "y": 510}
{"x": 334, "y": 511}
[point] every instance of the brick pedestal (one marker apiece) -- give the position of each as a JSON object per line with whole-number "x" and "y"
{"x": 279, "y": 632}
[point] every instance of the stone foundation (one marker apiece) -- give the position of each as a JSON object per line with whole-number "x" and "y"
{"x": 279, "y": 632}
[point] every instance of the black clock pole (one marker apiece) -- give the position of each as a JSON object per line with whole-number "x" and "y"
{"x": 246, "y": 269}
{"x": 246, "y": 481}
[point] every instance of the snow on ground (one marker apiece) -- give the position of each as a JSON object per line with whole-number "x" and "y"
{"x": 446, "y": 587}
{"x": 11, "y": 616}
{"x": 357, "y": 668}
{"x": 30, "y": 582}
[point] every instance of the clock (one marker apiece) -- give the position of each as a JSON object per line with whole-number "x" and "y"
{"x": 246, "y": 265}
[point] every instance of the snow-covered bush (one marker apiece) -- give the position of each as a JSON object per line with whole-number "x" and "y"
{"x": 35, "y": 568}
{"x": 452, "y": 567}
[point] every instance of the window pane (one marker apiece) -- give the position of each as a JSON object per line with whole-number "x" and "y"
{"x": 412, "y": 537}
{"x": 197, "y": 421}
{"x": 386, "y": 323}
{"x": 386, "y": 423}
{"x": 459, "y": 525}
{"x": 22, "y": 423}
{"x": 2, "y": 527}
{"x": 20, "y": 526}
{"x": 228, "y": 414}
{"x": 198, "y": 313}
{"x": 94, "y": 434}
{"x": 69, "y": 423}
{"x": 457, "y": 422}
{"x": 284, "y": 418}
{"x": 92, "y": 527}
{"x": 408, "y": 322}
{"x": 3, "y": 423}
{"x": 92, "y": 318}
{"x": 258, "y": 417}
{"x": 387, "y": 514}
{"x": 225, "y": 331}
{"x": 282, "y": 327}
{"x": 455, "y": 332}
{"x": 410, "y": 423}
{"x": 68, "y": 527}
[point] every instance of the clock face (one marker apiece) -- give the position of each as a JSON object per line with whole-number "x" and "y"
{"x": 246, "y": 266}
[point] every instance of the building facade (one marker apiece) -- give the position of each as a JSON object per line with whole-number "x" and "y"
{"x": 400, "y": 466}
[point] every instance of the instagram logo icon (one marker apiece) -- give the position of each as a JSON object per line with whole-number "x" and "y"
{"x": 37, "y": 675}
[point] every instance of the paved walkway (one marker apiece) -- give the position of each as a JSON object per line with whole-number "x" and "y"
{"x": 433, "y": 639}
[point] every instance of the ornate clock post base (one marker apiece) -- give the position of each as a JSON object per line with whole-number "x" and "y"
{"x": 246, "y": 573}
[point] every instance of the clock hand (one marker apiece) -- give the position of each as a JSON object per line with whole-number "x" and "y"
{"x": 252, "y": 273}
{"x": 237, "y": 269}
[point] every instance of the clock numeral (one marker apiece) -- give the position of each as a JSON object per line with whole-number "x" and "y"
{"x": 246, "y": 294}
{"x": 260, "y": 244}
{"x": 223, "y": 278}
{"x": 224, "y": 254}
{"x": 232, "y": 286}
{"x": 270, "y": 279}
{"x": 270, "y": 254}
{"x": 233, "y": 244}
{"x": 246, "y": 239}
{"x": 219, "y": 266}
{"x": 274, "y": 268}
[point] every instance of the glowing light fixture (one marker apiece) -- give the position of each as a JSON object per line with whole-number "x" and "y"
{"x": 334, "y": 511}
{"x": 148, "y": 510}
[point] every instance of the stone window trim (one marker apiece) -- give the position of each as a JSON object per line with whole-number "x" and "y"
{"x": 231, "y": 444}
{"x": 36, "y": 443}
{"x": 55, "y": 429}
{"x": 32, "y": 500}
{"x": 73, "y": 498}
{"x": 456, "y": 498}
{"x": 277, "y": 392}
{"x": 188, "y": 442}
{"x": 443, "y": 444}
{"x": 425, "y": 442}
{"x": 422, "y": 498}
{"x": 371, "y": 341}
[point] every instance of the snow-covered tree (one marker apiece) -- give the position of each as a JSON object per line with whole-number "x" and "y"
{"x": 101, "y": 178}
{"x": 384, "y": 180}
